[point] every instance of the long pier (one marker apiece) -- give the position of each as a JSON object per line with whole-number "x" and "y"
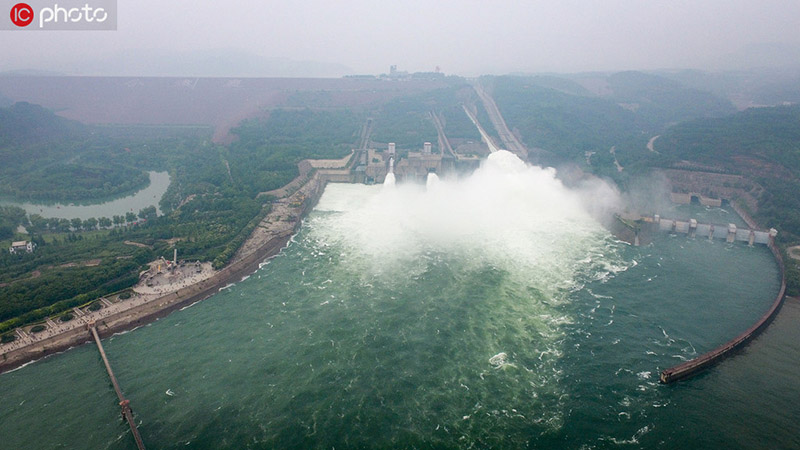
{"x": 124, "y": 403}
{"x": 702, "y": 362}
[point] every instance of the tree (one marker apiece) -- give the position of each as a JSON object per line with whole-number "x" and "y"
{"x": 148, "y": 213}
{"x": 90, "y": 223}
{"x": 76, "y": 224}
{"x": 52, "y": 223}
{"x": 63, "y": 225}
{"x": 130, "y": 217}
{"x": 118, "y": 220}
{"x": 104, "y": 222}
{"x": 38, "y": 223}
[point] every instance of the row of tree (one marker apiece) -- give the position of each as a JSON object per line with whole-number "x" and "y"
{"x": 39, "y": 224}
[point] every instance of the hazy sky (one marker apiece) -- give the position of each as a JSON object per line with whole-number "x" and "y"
{"x": 462, "y": 37}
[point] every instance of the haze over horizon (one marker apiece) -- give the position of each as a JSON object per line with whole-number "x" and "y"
{"x": 315, "y": 38}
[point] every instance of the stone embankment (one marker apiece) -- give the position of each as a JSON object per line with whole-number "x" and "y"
{"x": 269, "y": 237}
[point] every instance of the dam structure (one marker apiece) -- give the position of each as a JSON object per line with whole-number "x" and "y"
{"x": 730, "y": 232}
{"x": 484, "y": 324}
{"x": 694, "y": 366}
{"x": 542, "y": 400}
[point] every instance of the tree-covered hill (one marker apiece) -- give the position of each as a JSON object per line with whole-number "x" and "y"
{"x": 46, "y": 157}
{"x": 763, "y": 143}
{"x": 406, "y": 120}
{"x": 266, "y": 154}
{"x": 659, "y": 102}
{"x": 26, "y": 124}
{"x": 771, "y": 134}
{"x": 564, "y": 124}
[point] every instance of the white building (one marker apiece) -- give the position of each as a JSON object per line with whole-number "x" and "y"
{"x": 21, "y": 246}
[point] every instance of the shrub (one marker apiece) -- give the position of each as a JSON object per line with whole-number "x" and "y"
{"x": 125, "y": 295}
{"x": 95, "y": 306}
{"x": 38, "y": 328}
{"x": 8, "y": 337}
{"x": 66, "y": 317}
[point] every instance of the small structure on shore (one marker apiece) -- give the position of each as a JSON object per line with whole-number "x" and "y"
{"x": 21, "y": 246}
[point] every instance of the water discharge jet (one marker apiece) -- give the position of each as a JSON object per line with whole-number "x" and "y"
{"x": 389, "y": 181}
{"x": 505, "y": 210}
{"x": 500, "y": 249}
{"x": 432, "y": 181}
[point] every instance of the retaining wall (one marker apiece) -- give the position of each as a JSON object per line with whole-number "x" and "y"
{"x": 696, "y": 365}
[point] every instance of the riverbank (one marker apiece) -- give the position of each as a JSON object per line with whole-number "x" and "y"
{"x": 270, "y": 236}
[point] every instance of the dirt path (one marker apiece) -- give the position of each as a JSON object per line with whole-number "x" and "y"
{"x": 136, "y": 244}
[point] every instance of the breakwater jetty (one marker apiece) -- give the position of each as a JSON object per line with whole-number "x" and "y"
{"x": 730, "y": 233}
{"x": 702, "y": 362}
{"x": 124, "y": 403}
{"x": 636, "y": 225}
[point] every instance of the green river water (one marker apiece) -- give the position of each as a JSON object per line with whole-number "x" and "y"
{"x": 442, "y": 318}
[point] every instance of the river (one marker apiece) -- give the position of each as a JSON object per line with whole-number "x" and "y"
{"x": 402, "y": 319}
{"x": 149, "y": 196}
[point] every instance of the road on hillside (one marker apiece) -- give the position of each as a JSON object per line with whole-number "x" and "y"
{"x": 510, "y": 142}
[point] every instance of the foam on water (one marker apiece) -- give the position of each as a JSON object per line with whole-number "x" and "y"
{"x": 509, "y": 224}
{"x": 447, "y": 343}
{"x": 506, "y": 214}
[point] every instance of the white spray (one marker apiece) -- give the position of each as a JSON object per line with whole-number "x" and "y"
{"x": 506, "y": 213}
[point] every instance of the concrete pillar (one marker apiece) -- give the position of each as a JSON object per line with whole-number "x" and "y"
{"x": 731, "y": 233}
{"x": 674, "y": 225}
{"x": 692, "y": 228}
{"x": 711, "y": 232}
{"x": 752, "y": 238}
{"x": 772, "y": 234}
{"x": 657, "y": 222}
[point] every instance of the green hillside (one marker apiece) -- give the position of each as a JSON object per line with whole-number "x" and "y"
{"x": 46, "y": 157}
{"x": 771, "y": 134}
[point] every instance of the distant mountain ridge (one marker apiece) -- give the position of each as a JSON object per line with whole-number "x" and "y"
{"x": 27, "y": 123}
{"x": 201, "y": 63}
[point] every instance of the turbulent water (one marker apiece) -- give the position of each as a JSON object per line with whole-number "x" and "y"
{"x": 491, "y": 311}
